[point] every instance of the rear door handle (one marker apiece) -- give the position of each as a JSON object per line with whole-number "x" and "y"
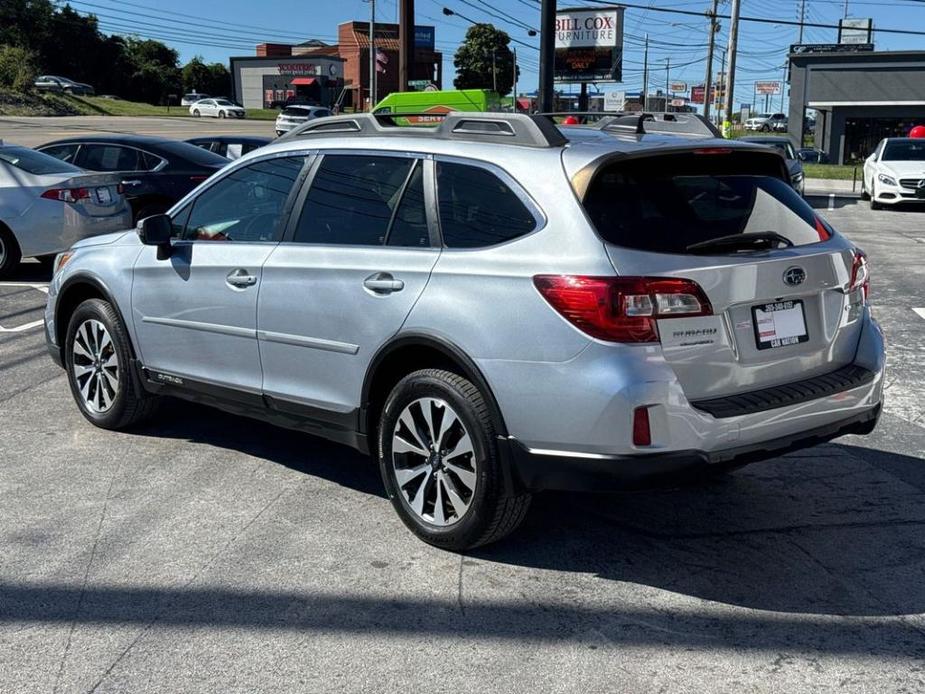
{"x": 383, "y": 283}
{"x": 241, "y": 278}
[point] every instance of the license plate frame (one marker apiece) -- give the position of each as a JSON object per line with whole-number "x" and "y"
{"x": 763, "y": 341}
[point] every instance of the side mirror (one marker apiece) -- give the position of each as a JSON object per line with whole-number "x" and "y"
{"x": 156, "y": 230}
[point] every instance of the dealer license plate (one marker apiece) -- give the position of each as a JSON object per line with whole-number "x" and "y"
{"x": 779, "y": 324}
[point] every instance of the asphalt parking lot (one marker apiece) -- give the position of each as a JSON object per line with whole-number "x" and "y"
{"x": 206, "y": 552}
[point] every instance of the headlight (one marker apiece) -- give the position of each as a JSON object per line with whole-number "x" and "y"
{"x": 61, "y": 260}
{"x": 886, "y": 180}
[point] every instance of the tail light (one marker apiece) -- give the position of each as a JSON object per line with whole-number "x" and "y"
{"x": 67, "y": 194}
{"x": 642, "y": 434}
{"x": 860, "y": 273}
{"x": 622, "y": 309}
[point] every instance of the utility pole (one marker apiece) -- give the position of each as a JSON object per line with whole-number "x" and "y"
{"x": 372, "y": 54}
{"x": 708, "y": 82}
{"x": 783, "y": 86}
{"x": 645, "y": 77}
{"x": 802, "y": 19}
{"x": 547, "y": 55}
{"x": 515, "y": 80}
{"x": 731, "y": 71}
{"x": 667, "y": 81}
{"x": 405, "y": 43}
{"x": 494, "y": 72}
{"x": 846, "y": 9}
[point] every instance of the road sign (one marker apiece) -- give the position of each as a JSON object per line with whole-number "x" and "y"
{"x": 589, "y": 45}
{"x": 767, "y": 88}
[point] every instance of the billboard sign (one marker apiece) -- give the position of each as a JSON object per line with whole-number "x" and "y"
{"x": 855, "y": 31}
{"x": 589, "y": 45}
{"x": 801, "y": 48}
{"x": 767, "y": 88}
{"x": 424, "y": 38}
{"x": 678, "y": 86}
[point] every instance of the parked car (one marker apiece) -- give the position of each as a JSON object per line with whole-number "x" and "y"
{"x": 767, "y": 122}
{"x": 293, "y": 116}
{"x": 155, "y": 171}
{"x": 812, "y": 156}
{"x": 385, "y": 289}
{"x": 231, "y": 146}
{"x": 54, "y": 83}
{"x": 192, "y": 98}
{"x": 46, "y": 205}
{"x": 219, "y": 108}
{"x": 895, "y": 172}
{"x": 794, "y": 163}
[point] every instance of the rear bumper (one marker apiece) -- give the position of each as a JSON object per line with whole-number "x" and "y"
{"x": 537, "y": 470}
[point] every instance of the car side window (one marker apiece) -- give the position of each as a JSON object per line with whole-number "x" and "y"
{"x": 63, "y": 152}
{"x": 148, "y": 161}
{"x": 477, "y": 208}
{"x": 409, "y": 225}
{"x": 353, "y": 199}
{"x": 110, "y": 158}
{"x": 246, "y": 205}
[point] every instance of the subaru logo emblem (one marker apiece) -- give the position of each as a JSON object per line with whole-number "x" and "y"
{"x": 794, "y": 276}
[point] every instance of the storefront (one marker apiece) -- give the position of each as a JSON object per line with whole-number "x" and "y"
{"x": 860, "y": 97}
{"x": 268, "y": 81}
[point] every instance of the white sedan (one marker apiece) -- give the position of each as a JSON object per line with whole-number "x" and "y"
{"x": 219, "y": 108}
{"x": 895, "y": 172}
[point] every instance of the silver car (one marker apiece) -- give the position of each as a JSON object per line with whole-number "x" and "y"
{"x": 46, "y": 205}
{"x": 488, "y": 307}
{"x": 296, "y": 114}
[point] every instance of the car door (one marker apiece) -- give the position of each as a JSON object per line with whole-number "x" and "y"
{"x": 355, "y": 259}
{"x": 195, "y": 313}
{"x": 135, "y": 166}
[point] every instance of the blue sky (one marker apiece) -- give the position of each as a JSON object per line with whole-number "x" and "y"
{"x": 217, "y": 29}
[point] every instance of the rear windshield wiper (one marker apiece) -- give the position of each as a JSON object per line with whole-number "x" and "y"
{"x": 757, "y": 241}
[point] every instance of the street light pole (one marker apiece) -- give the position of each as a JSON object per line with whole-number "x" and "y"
{"x": 708, "y": 82}
{"x": 547, "y": 54}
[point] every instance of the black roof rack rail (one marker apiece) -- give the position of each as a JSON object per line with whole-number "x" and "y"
{"x": 641, "y": 123}
{"x": 509, "y": 128}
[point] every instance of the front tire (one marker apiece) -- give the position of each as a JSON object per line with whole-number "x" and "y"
{"x": 9, "y": 253}
{"x": 874, "y": 205}
{"x": 221, "y": 114}
{"x": 440, "y": 464}
{"x": 98, "y": 361}
{"x": 196, "y": 113}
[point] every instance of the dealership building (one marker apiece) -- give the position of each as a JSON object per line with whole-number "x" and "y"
{"x": 860, "y": 96}
{"x": 331, "y": 75}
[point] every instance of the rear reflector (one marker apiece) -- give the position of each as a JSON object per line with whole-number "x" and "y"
{"x": 642, "y": 435}
{"x": 67, "y": 194}
{"x": 622, "y": 309}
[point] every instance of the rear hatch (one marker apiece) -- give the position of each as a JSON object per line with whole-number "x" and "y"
{"x": 783, "y": 305}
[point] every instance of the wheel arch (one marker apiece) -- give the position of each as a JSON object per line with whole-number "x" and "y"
{"x": 411, "y": 352}
{"x": 73, "y": 292}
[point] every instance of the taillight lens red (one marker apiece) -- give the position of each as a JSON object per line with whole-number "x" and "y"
{"x": 67, "y": 194}
{"x": 622, "y": 309}
{"x": 860, "y": 273}
{"x": 642, "y": 434}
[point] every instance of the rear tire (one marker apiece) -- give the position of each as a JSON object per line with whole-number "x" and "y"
{"x": 196, "y": 113}
{"x": 221, "y": 114}
{"x": 9, "y": 253}
{"x": 98, "y": 361}
{"x": 444, "y": 476}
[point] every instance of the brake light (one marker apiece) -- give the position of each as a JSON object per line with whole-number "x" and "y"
{"x": 67, "y": 194}
{"x": 198, "y": 179}
{"x": 622, "y": 309}
{"x": 860, "y": 273}
{"x": 713, "y": 150}
{"x": 642, "y": 434}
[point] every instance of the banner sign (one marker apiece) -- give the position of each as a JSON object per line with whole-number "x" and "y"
{"x": 589, "y": 45}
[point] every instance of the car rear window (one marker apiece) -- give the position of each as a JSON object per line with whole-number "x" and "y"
{"x": 296, "y": 111}
{"x": 666, "y": 204}
{"x": 34, "y": 162}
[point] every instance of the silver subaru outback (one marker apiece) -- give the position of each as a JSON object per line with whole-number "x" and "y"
{"x": 491, "y": 306}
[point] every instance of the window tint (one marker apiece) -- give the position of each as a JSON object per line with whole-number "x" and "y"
{"x": 409, "y": 228}
{"x": 33, "y": 162}
{"x": 246, "y": 205}
{"x": 110, "y": 158}
{"x": 352, "y": 199}
{"x": 148, "y": 161}
{"x": 477, "y": 208}
{"x": 63, "y": 152}
{"x": 666, "y": 204}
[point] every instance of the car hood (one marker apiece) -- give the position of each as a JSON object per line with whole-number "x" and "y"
{"x": 102, "y": 240}
{"x": 903, "y": 168}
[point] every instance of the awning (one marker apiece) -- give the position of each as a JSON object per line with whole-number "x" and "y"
{"x": 303, "y": 81}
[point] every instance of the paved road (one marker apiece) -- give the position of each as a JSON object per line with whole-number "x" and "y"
{"x": 34, "y": 131}
{"x": 211, "y": 553}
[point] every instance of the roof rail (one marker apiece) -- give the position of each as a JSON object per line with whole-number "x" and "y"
{"x": 507, "y": 128}
{"x": 643, "y": 122}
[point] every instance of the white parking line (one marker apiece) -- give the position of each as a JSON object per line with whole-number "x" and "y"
{"x": 34, "y": 285}
{"x": 920, "y": 311}
{"x": 22, "y": 328}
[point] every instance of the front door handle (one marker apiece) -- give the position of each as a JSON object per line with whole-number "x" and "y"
{"x": 241, "y": 278}
{"x": 383, "y": 283}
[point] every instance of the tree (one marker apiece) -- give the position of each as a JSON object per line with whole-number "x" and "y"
{"x": 196, "y": 76}
{"x": 484, "y": 49}
{"x": 219, "y": 79}
{"x": 17, "y": 68}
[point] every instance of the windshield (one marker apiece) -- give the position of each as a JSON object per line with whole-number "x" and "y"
{"x": 904, "y": 150}
{"x": 666, "y": 204}
{"x": 34, "y": 162}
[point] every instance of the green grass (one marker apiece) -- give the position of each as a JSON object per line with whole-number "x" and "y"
{"x": 262, "y": 113}
{"x": 831, "y": 171}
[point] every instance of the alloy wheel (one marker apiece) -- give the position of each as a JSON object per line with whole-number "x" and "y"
{"x": 434, "y": 461}
{"x": 95, "y": 365}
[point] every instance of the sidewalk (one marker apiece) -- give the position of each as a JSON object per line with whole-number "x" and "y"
{"x": 825, "y": 186}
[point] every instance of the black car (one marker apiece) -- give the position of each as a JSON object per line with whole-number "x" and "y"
{"x": 156, "y": 171}
{"x": 231, "y": 146}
